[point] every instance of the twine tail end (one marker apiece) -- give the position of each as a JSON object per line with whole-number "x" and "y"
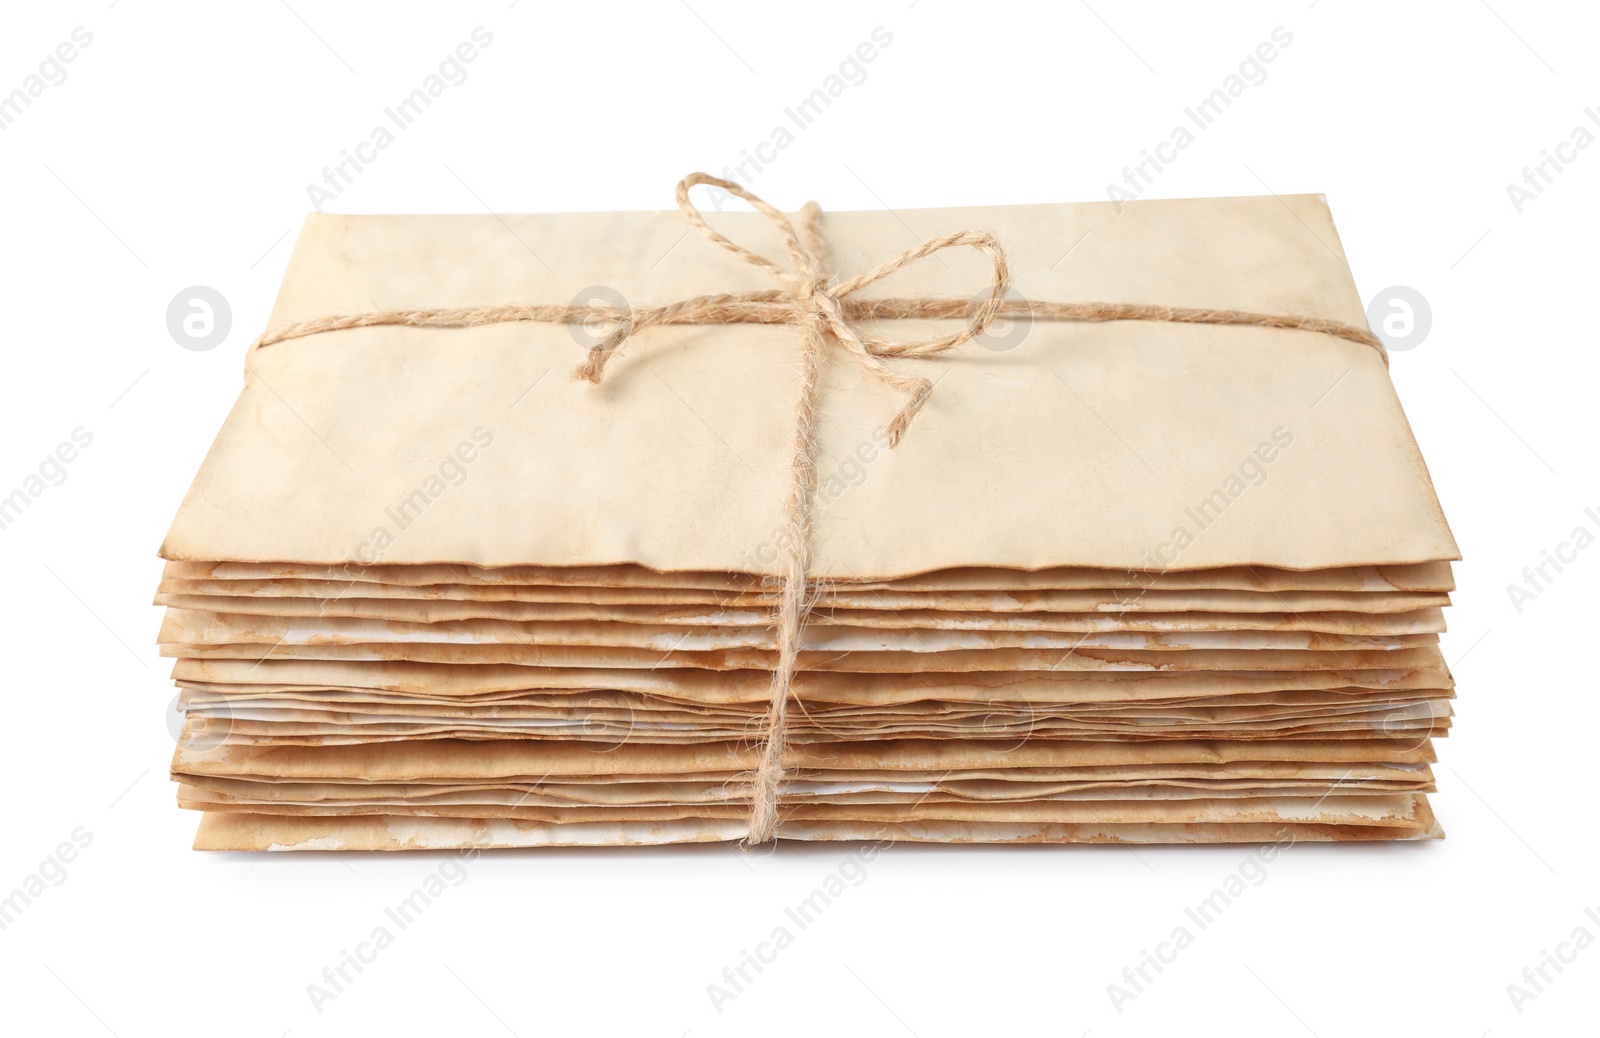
{"x": 756, "y": 838}
{"x": 764, "y": 793}
{"x": 593, "y": 368}
{"x": 902, "y": 420}
{"x": 763, "y": 815}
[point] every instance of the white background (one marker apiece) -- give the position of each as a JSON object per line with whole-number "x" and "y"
{"x": 177, "y": 153}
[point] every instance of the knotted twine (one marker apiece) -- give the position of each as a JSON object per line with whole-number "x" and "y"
{"x": 817, "y": 304}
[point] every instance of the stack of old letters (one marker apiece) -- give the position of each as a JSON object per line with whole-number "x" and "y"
{"x": 1134, "y": 580}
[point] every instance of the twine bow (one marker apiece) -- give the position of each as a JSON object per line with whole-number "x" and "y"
{"x": 813, "y": 301}
{"x": 809, "y": 298}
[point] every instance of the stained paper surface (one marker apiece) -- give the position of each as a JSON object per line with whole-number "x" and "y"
{"x": 1085, "y": 445}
